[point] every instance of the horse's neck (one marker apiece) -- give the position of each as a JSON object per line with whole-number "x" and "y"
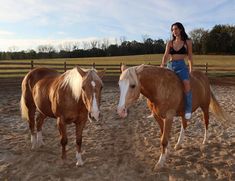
{"x": 153, "y": 81}
{"x": 147, "y": 84}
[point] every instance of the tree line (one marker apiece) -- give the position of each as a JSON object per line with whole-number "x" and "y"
{"x": 219, "y": 40}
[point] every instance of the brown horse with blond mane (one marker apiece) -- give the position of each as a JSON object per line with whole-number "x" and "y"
{"x": 164, "y": 92}
{"x": 70, "y": 97}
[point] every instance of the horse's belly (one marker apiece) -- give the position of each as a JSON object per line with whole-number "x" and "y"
{"x": 45, "y": 108}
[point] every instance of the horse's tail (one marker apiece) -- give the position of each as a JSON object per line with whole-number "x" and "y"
{"x": 216, "y": 108}
{"x": 23, "y": 107}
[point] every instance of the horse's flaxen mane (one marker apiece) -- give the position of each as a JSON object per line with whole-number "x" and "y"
{"x": 74, "y": 80}
{"x": 130, "y": 74}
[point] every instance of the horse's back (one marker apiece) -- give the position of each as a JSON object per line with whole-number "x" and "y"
{"x": 38, "y": 74}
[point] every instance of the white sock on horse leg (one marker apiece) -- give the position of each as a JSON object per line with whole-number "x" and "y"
{"x": 205, "y": 137}
{"x": 181, "y": 137}
{"x": 33, "y": 141}
{"x": 79, "y": 159}
{"x": 39, "y": 139}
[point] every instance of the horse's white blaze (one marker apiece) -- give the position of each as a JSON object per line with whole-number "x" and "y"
{"x": 39, "y": 139}
{"x": 79, "y": 159}
{"x": 93, "y": 83}
{"x": 205, "y": 137}
{"x": 181, "y": 137}
{"x": 124, "y": 85}
{"x": 95, "y": 110}
{"x": 33, "y": 141}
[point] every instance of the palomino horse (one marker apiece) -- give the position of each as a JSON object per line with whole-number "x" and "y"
{"x": 68, "y": 97}
{"x": 164, "y": 92}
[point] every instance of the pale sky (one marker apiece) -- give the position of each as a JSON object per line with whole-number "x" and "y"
{"x": 25, "y": 24}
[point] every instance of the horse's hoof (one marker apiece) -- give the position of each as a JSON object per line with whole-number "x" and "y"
{"x": 33, "y": 147}
{"x": 177, "y": 147}
{"x": 150, "y": 116}
{"x": 158, "y": 166}
{"x": 79, "y": 163}
{"x": 40, "y": 143}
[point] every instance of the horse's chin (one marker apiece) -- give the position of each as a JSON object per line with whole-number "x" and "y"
{"x": 92, "y": 118}
{"x": 123, "y": 113}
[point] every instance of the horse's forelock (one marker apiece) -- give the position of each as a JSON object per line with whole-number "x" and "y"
{"x": 94, "y": 76}
{"x": 130, "y": 74}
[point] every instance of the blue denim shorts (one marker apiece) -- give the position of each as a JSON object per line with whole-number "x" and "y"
{"x": 180, "y": 68}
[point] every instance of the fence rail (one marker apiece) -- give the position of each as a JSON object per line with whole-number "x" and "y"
{"x": 21, "y": 68}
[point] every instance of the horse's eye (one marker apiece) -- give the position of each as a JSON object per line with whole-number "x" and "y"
{"x": 132, "y": 86}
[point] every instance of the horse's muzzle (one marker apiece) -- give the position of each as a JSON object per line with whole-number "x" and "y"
{"x": 95, "y": 115}
{"x": 122, "y": 111}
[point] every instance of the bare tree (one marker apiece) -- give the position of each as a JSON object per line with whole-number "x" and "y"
{"x": 145, "y": 37}
{"x": 46, "y": 48}
{"x": 93, "y": 43}
{"x": 105, "y": 43}
{"x": 85, "y": 45}
{"x": 13, "y": 49}
{"x": 122, "y": 39}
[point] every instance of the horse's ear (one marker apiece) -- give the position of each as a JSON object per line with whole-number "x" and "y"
{"x": 123, "y": 67}
{"x": 82, "y": 73}
{"x": 101, "y": 73}
{"x": 139, "y": 68}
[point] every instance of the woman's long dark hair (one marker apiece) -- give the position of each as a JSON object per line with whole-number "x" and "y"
{"x": 183, "y": 34}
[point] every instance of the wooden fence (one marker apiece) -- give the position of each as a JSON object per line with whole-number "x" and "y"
{"x": 19, "y": 69}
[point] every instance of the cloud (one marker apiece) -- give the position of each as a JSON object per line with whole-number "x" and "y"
{"x": 25, "y": 44}
{"x": 5, "y": 33}
{"x": 73, "y": 19}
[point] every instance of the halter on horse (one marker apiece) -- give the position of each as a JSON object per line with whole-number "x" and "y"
{"x": 68, "y": 97}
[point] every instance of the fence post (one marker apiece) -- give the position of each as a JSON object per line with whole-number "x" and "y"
{"x": 206, "y": 68}
{"x": 120, "y": 68}
{"x": 32, "y": 64}
{"x": 65, "y": 67}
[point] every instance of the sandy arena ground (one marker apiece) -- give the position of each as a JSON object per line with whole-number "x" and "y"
{"x": 116, "y": 149}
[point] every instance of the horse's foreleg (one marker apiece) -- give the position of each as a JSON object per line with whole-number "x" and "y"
{"x": 40, "y": 119}
{"x": 79, "y": 129}
{"x": 164, "y": 141}
{"x": 181, "y": 136}
{"x": 150, "y": 105}
{"x": 160, "y": 122}
{"x": 206, "y": 119}
{"x": 64, "y": 140}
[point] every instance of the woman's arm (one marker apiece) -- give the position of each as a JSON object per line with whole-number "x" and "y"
{"x": 190, "y": 54}
{"x": 166, "y": 54}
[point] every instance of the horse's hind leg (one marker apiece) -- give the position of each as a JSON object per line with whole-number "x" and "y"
{"x": 206, "y": 120}
{"x": 181, "y": 136}
{"x": 40, "y": 119}
{"x": 150, "y": 105}
{"x": 31, "y": 120}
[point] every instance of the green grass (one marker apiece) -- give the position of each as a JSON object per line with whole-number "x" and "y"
{"x": 137, "y": 59}
{"x": 215, "y": 60}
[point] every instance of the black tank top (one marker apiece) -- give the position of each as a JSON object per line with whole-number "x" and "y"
{"x": 182, "y": 50}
